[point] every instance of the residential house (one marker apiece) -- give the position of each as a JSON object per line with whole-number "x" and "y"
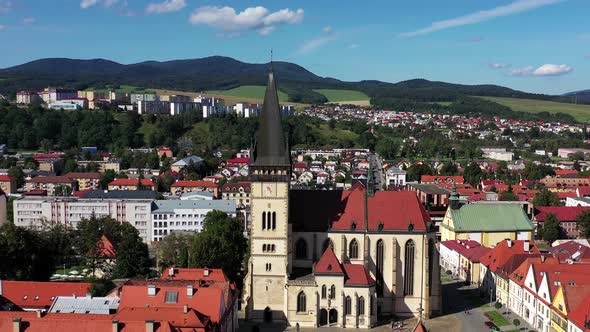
{"x": 86, "y": 181}
{"x": 8, "y": 184}
{"x": 237, "y": 191}
{"x": 566, "y": 215}
{"x": 39, "y": 296}
{"x": 183, "y": 186}
{"x": 438, "y": 179}
{"x": 395, "y": 177}
{"x": 183, "y": 163}
{"x": 53, "y": 185}
{"x": 132, "y": 184}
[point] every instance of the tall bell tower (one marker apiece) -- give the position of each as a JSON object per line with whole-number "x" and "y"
{"x": 270, "y": 173}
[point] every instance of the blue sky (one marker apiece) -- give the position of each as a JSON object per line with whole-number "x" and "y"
{"x": 532, "y": 45}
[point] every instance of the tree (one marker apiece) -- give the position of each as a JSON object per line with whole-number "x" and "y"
{"x": 546, "y": 198}
{"x": 132, "y": 255}
{"x": 70, "y": 166}
{"x": 171, "y": 249}
{"x": 516, "y": 322}
{"x": 107, "y": 177}
{"x": 17, "y": 173}
{"x": 551, "y": 230}
{"x": 221, "y": 244}
{"x": 473, "y": 174}
{"x": 387, "y": 147}
{"x": 416, "y": 171}
{"x": 583, "y": 224}
{"x": 498, "y": 305}
{"x": 508, "y": 195}
{"x": 24, "y": 254}
{"x": 449, "y": 168}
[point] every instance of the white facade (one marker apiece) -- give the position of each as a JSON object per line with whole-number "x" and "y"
{"x": 69, "y": 104}
{"x": 33, "y": 212}
{"x": 449, "y": 260}
{"x": 395, "y": 177}
{"x": 169, "y": 216}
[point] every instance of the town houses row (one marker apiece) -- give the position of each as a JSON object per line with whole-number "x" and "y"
{"x": 143, "y": 103}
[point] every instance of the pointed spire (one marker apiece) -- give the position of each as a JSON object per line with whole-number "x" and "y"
{"x": 270, "y": 148}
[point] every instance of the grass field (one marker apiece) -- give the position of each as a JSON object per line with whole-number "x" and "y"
{"x": 580, "y": 112}
{"x": 335, "y": 96}
{"x": 229, "y": 100}
{"x": 248, "y": 91}
{"x": 121, "y": 89}
{"x": 497, "y": 318}
{"x": 333, "y": 136}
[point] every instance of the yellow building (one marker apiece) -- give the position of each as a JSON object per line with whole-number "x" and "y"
{"x": 487, "y": 224}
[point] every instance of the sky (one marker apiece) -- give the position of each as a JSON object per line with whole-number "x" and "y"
{"x": 540, "y": 46}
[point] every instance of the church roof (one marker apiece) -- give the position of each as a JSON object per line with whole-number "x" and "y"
{"x": 328, "y": 263}
{"x": 357, "y": 275}
{"x": 270, "y": 148}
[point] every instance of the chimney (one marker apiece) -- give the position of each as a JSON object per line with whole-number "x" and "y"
{"x": 185, "y": 309}
{"x": 151, "y": 290}
{"x": 543, "y": 259}
{"x": 16, "y": 324}
{"x": 189, "y": 291}
{"x": 149, "y": 326}
{"x": 171, "y": 272}
{"x": 115, "y": 325}
{"x": 509, "y": 243}
{"x": 527, "y": 245}
{"x": 206, "y": 272}
{"x": 39, "y": 314}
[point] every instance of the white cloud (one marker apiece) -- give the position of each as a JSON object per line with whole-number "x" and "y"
{"x": 253, "y": 18}
{"x": 515, "y": 7}
{"x": 29, "y": 20}
{"x": 328, "y": 29}
{"x": 552, "y": 70}
{"x": 545, "y": 70}
{"x": 165, "y": 7}
{"x": 89, "y": 3}
{"x": 499, "y": 65}
{"x": 5, "y": 6}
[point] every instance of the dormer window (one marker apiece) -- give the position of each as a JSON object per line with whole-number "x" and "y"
{"x": 329, "y": 267}
{"x": 380, "y": 226}
{"x": 353, "y": 226}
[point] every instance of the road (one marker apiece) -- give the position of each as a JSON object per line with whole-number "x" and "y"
{"x": 377, "y": 169}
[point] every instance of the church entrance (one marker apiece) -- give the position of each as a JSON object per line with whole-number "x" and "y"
{"x": 323, "y": 317}
{"x": 333, "y": 317}
{"x": 267, "y": 315}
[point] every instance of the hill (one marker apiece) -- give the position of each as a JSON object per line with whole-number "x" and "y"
{"x": 579, "y": 112}
{"x": 223, "y": 73}
{"x": 579, "y": 96}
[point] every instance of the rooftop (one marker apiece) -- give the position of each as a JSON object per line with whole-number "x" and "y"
{"x": 169, "y": 206}
{"x": 490, "y": 218}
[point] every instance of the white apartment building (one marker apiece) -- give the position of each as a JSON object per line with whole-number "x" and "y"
{"x": 395, "y": 177}
{"x": 170, "y": 216}
{"x": 33, "y": 212}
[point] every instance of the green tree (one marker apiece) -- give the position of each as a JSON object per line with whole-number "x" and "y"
{"x": 583, "y": 224}
{"x": 546, "y": 198}
{"x": 221, "y": 244}
{"x": 70, "y": 166}
{"x": 24, "y": 254}
{"x": 551, "y": 230}
{"x": 132, "y": 255}
{"x": 508, "y": 195}
{"x": 473, "y": 174}
{"x": 17, "y": 173}
{"x": 449, "y": 168}
{"x": 416, "y": 171}
{"x": 171, "y": 249}
{"x": 387, "y": 147}
{"x": 107, "y": 177}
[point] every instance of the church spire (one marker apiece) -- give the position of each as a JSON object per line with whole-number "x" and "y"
{"x": 270, "y": 148}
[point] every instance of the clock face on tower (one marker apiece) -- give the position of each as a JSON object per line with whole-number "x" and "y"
{"x": 268, "y": 190}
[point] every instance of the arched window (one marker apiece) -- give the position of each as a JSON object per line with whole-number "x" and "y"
{"x": 353, "y": 251}
{"x": 361, "y": 306}
{"x": 274, "y": 221}
{"x": 431, "y": 264}
{"x": 301, "y": 302}
{"x": 272, "y": 247}
{"x": 263, "y": 220}
{"x": 324, "y": 291}
{"x": 380, "y": 267}
{"x": 328, "y": 243}
{"x": 301, "y": 249}
{"x": 264, "y": 248}
{"x": 348, "y": 306}
{"x": 409, "y": 268}
{"x": 332, "y": 292}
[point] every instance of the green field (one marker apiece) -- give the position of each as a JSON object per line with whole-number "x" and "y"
{"x": 121, "y": 89}
{"x": 497, "y": 318}
{"x": 580, "y": 112}
{"x": 333, "y": 136}
{"x": 335, "y": 96}
{"x": 248, "y": 91}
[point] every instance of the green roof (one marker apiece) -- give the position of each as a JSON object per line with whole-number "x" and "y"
{"x": 490, "y": 218}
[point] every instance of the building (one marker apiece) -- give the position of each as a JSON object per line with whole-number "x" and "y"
{"x": 8, "y": 184}
{"x": 3, "y": 205}
{"x": 85, "y": 305}
{"x": 104, "y": 165}
{"x": 39, "y": 296}
{"x": 28, "y": 97}
{"x": 461, "y": 258}
{"x": 435, "y": 199}
{"x": 132, "y": 184}
{"x": 395, "y": 177}
{"x": 565, "y": 152}
{"x": 497, "y": 154}
{"x": 52, "y": 95}
{"x": 560, "y": 182}
{"x": 186, "y": 186}
{"x": 487, "y": 224}
{"x": 442, "y": 179}
{"x": 133, "y": 207}
{"x": 135, "y": 98}
{"x": 181, "y": 164}
{"x": 169, "y": 216}
{"x": 69, "y": 104}
{"x": 237, "y": 191}
{"x": 566, "y": 215}
{"x": 85, "y": 181}
{"x": 336, "y": 258}
{"x": 54, "y": 185}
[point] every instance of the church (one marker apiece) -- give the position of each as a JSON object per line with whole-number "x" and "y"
{"x": 332, "y": 258}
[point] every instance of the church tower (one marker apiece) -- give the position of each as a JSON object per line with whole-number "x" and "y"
{"x": 270, "y": 173}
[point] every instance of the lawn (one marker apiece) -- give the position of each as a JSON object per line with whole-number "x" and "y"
{"x": 335, "y": 95}
{"x": 580, "y": 112}
{"x": 497, "y": 318}
{"x": 248, "y": 91}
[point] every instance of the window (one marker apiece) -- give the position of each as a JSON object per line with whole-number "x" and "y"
{"x": 171, "y": 297}
{"x": 301, "y": 303}
{"x": 301, "y": 249}
{"x": 263, "y": 220}
{"x": 380, "y": 267}
{"x": 324, "y": 291}
{"x": 353, "y": 251}
{"x": 332, "y": 292}
{"x": 264, "y": 248}
{"x": 274, "y": 221}
{"x": 409, "y": 268}
{"x": 348, "y": 306}
{"x": 268, "y": 267}
{"x": 361, "y": 306}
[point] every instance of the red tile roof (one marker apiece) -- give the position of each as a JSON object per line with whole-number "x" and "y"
{"x": 216, "y": 275}
{"x": 52, "y": 179}
{"x": 7, "y": 178}
{"x": 79, "y": 175}
{"x": 566, "y": 172}
{"x": 583, "y": 191}
{"x": 235, "y": 186}
{"x": 501, "y": 253}
{"x": 195, "y": 183}
{"x": 243, "y": 160}
{"x": 580, "y": 314}
{"x": 357, "y": 274}
{"x": 442, "y": 178}
{"x": 563, "y": 213}
{"x": 106, "y": 247}
{"x": 328, "y": 263}
{"x": 571, "y": 248}
{"x": 300, "y": 165}
{"x": 132, "y": 182}
{"x": 32, "y": 294}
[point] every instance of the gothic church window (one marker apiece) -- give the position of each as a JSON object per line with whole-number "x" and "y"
{"x": 409, "y": 268}
{"x": 301, "y": 302}
{"x": 353, "y": 251}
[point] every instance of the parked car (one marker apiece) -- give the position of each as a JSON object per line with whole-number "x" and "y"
{"x": 492, "y": 326}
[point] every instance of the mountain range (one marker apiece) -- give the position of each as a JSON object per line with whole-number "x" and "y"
{"x": 220, "y": 73}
